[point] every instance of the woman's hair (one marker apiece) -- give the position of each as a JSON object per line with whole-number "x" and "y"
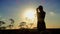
{"x": 40, "y": 7}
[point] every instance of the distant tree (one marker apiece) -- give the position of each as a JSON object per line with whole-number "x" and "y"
{"x": 31, "y": 24}
{"x": 2, "y": 28}
{"x": 22, "y": 24}
{"x": 10, "y": 26}
{"x": 27, "y": 26}
{"x": 2, "y": 22}
{"x": 12, "y": 23}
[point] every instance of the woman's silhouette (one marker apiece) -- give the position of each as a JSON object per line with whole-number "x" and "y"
{"x": 40, "y": 18}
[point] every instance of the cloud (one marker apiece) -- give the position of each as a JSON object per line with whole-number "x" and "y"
{"x": 52, "y": 13}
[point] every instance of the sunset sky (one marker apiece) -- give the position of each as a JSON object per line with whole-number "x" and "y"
{"x": 25, "y": 11}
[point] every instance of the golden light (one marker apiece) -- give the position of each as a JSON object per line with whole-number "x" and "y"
{"x": 29, "y": 13}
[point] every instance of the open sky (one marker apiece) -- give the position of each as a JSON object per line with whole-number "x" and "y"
{"x": 17, "y": 10}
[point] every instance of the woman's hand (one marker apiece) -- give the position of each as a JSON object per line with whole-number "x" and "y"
{"x": 37, "y": 9}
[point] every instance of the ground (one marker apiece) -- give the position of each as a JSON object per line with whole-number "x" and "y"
{"x": 30, "y": 31}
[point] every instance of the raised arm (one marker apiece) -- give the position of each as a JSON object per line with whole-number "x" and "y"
{"x": 37, "y": 10}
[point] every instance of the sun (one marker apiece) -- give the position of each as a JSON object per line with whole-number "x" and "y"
{"x": 29, "y": 13}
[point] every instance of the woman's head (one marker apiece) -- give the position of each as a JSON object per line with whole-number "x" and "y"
{"x": 40, "y": 7}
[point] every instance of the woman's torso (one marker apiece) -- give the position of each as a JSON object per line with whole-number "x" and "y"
{"x": 41, "y": 16}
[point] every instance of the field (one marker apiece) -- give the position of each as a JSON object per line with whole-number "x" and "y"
{"x": 30, "y": 31}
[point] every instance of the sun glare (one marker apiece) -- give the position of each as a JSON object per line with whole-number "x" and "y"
{"x": 29, "y": 13}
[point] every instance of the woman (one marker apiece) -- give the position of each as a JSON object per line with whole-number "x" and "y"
{"x": 40, "y": 18}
